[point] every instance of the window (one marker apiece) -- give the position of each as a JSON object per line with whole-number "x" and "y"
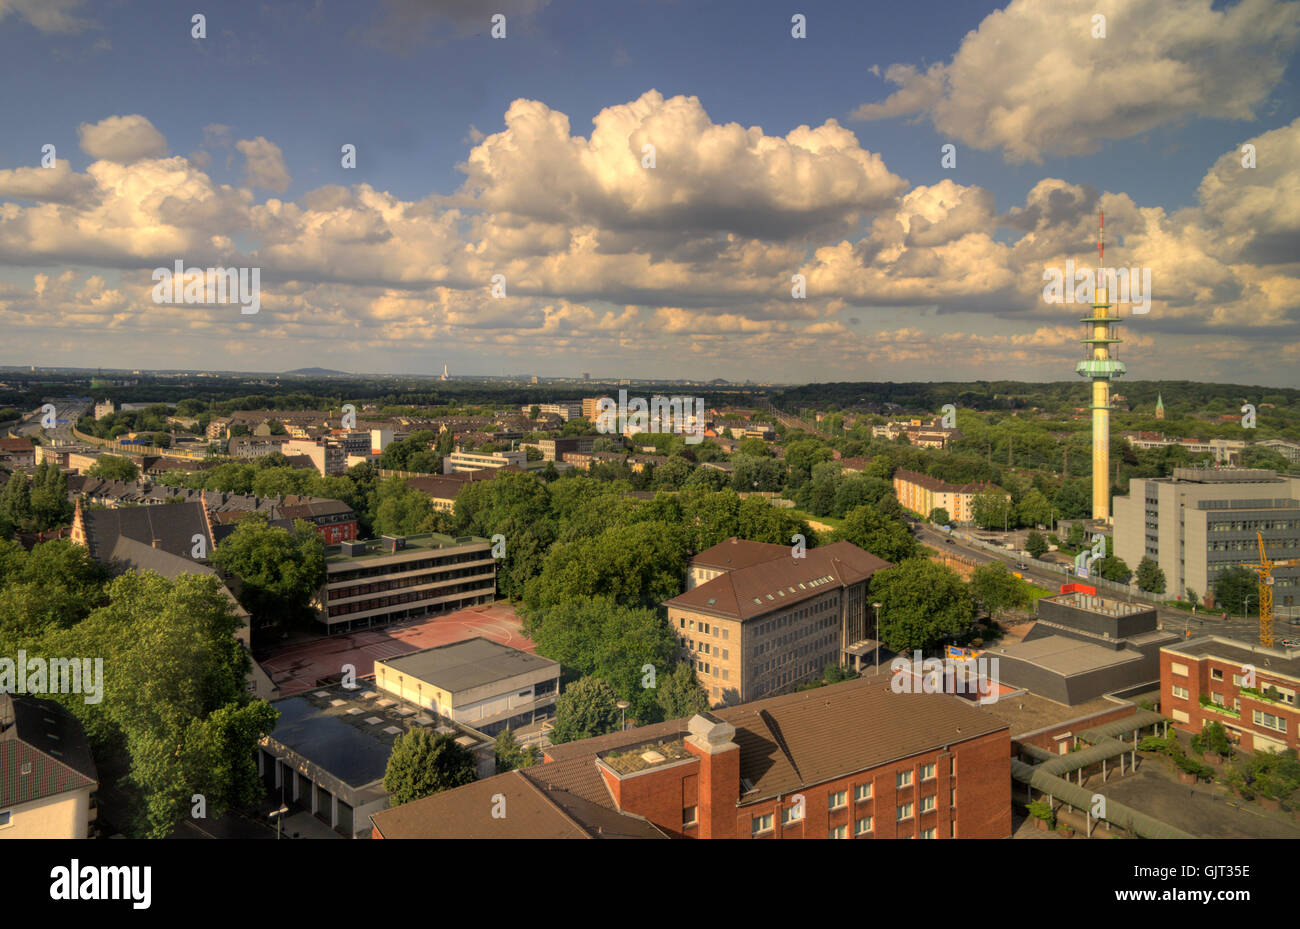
{"x": 904, "y": 811}
{"x": 862, "y": 826}
{"x": 792, "y": 814}
{"x": 1180, "y": 692}
{"x": 839, "y": 832}
{"x": 761, "y": 824}
{"x": 904, "y": 779}
{"x": 1216, "y": 674}
{"x": 927, "y": 804}
{"x": 862, "y": 792}
{"x": 1217, "y": 699}
{"x": 1179, "y": 669}
{"x": 838, "y": 799}
{"x": 929, "y": 834}
{"x": 6, "y": 818}
{"x": 1269, "y": 721}
{"x": 928, "y": 771}
{"x": 688, "y": 815}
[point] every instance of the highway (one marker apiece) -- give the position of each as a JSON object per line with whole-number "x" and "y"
{"x": 1200, "y": 623}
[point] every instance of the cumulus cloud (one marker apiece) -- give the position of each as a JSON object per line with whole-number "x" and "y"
{"x": 264, "y": 163}
{"x": 1032, "y": 80}
{"x": 58, "y": 184}
{"x": 49, "y": 16}
{"x": 123, "y": 139}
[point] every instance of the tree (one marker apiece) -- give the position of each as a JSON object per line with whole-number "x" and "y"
{"x": 113, "y": 468}
{"x": 1233, "y": 586}
{"x": 939, "y": 516}
{"x": 587, "y": 707}
{"x": 401, "y": 510}
{"x": 672, "y": 473}
{"x": 921, "y": 602}
{"x": 635, "y": 565}
{"x": 280, "y": 571}
{"x": 510, "y": 754}
{"x": 49, "y": 498}
{"x": 869, "y": 529}
{"x": 679, "y": 693}
{"x": 1192, "y": 598}
{"x": 1035, "y": 544}
{"x": 1034, "y": 509}
{"x": 1073, "y": 500}
{"x": 1114, "y": 569}
{"x": 425, "y": 763}
{"x": 16, "y": 501}
{"x": 990, "y": 509}
{"x": 1150, "y": 577}
{"x": 997, "y": 589}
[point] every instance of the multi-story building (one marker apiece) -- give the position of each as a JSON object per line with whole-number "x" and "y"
{"x": 460, "y": 460}
{"x": 247, "y": 446}
{"x": 17, "y": 453}
{"x": 103, "y": 409}
{"x": 372, "y": 583}
{"x": 47, "y": 774}
{"x": 755, "y": 620}
{"x": 1225, "y": 451}
{"x": 922, "y": 433}
{"x": 591, "y": 407}
{"x": 1200, "y": 521}
{"x": 477, "y": 682}
{"x": 565, "y": 409}
{"x": 1250, "y": 689}
{"x": 921, "y": 494}
{"x": 328, "y": 457}
{"x": 1284, "y": 447}
{"x": 927, "y": 766}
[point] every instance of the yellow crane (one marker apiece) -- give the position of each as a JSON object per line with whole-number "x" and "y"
{"x": 1265, "y": 571}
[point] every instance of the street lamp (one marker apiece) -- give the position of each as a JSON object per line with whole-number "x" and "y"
{"x": 877, "y": 608}
{"x": 622, "y": 711}
{"x": 278, "y": 816}
{"x": 1245, "y": 609}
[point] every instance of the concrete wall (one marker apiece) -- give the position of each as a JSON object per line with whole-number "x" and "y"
{"x": 65, "y": 816}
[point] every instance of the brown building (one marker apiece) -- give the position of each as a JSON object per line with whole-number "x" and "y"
{"x": 852, "y": 760}
{"x": 1262, "y": 717}
{"x": 756, "y": 620}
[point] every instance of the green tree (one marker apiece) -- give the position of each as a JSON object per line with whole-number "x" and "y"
{"x": 49, "y": 498}
{"x": 1150, "y": 577}
{"x": 1114, "y": 569}
{"x": 1233, "y": 586}
{"x": 1192, "y": 598}
{"x": 1034, "y": 509}
{"x": 636, "y": 565}
{"x": 679, "y": 693}
{"x": 939, "y": 516}
{"x": 1035, "y": 544}
{"x": 400, "y": 509}
{"x": 1073, "y": 500}
{"x": 424, "y": 763}
{"x": 113, "y": 468}
{"x": 997, "y": 589}
{"x": 16, "y": 501}
{"x": 280, "y": 571}
{"x": 869, "y": 529}
{"x": 510, "y": 755}
{"x": 990, "y": 509}
{"x": 921, "y": 602}
{"x": 587, "y": 707}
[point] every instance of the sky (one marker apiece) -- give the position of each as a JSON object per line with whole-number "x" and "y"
{"x": 651, "y": 189}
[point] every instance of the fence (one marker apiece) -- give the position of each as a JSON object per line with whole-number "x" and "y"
{"x": 140, "y": 449}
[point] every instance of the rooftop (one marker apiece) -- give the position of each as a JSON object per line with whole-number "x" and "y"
{"x": 374, "y": 548}
{"x": 463, "y": 666}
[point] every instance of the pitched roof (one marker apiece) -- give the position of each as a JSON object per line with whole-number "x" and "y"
{"x": 934, "y": 484}
{"x": 43, "y": 751}
{"x": 174, "y": 525}
{"x": 739, "y": 553}
{"x": 757, "y": 589}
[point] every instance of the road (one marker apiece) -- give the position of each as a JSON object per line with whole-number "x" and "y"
{"x": 67, "y": 411}
{"x": 1180, "y": 620}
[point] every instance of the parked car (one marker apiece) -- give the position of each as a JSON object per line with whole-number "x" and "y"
{"x": 1022, "y": 566}
{"x": 950, "y": 541}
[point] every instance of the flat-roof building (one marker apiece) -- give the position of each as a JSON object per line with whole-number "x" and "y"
{"x": 370, "y": 583}
{"x": 477, "y": 682}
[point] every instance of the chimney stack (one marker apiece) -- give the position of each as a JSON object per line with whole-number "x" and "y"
{"x": 713, "y": 741}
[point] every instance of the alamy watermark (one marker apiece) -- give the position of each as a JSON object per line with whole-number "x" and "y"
{"x": 209, "y": 285}
{"x": 1122, "y": 285}
{"x": 660, "y": 414}
{"x": 37, "y": 675}
{"x": 946, "y": 676}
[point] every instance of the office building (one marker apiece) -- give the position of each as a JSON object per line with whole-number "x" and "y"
{"x": 1200, "y": 521}
{"x": 755, "y": 620}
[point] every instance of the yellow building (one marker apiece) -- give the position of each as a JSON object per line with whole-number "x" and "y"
{"x": 47, "y": 775}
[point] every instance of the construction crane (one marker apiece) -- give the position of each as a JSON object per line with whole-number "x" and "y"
{"x": 1265, "y": 571}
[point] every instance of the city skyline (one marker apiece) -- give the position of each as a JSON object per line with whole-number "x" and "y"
{"x": 773, "y": 156}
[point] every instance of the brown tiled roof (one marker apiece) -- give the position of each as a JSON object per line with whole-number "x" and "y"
{"x": 43, "y": 751}
{"x": 933, "y": 483}
{"x": 739, "y": 553}
{"x": 774, "y": 584}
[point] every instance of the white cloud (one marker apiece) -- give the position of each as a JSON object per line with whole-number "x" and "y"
{"x": 123, "y": 139}
{"x": 264, "y": 163}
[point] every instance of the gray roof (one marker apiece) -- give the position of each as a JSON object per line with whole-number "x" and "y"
{"x": 43, "y": 751}
{"x": 462, "y": 666}
{"x": 174, "y": 525}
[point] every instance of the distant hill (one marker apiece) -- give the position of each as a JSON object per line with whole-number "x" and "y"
{"x": 319, "y": 372}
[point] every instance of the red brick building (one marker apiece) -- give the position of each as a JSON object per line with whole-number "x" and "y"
{"x": 1259, "y": 717}
{"x": 852, "y": 760}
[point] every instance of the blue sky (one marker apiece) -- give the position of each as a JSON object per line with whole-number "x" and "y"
{"x": 682, "y": 276}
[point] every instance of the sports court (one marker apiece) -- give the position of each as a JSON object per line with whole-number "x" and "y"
{"x": 301, "y": 665}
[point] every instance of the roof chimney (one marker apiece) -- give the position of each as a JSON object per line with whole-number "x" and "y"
{"x": 157, "y": 543}
{"x": 719, "y": 787}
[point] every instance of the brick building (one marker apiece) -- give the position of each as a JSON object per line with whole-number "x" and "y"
{"x": 1264, "y": 717}
{"x": 852, "y": 760}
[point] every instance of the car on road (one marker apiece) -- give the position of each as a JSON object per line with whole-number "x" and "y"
{"x": 1022, "y": 566}
{"x": 950, "y": 541}
{"x": 1290, "y": 643}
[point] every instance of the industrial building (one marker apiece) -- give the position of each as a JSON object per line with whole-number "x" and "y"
{"x": 1201, "y": 520}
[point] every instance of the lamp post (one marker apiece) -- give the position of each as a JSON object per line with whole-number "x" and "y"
{"x": 278, "y": 816}
{"x": 877, "y": 608}
{"x": 622, "y": 711}
{"x": 1245, "y": 609}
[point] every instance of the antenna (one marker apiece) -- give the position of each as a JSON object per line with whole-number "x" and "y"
{"x": 1101, "y": 238}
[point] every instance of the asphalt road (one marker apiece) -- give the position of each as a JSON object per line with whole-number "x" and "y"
{"x": 1198, "y": 623}
{"x": 31, "y": 424}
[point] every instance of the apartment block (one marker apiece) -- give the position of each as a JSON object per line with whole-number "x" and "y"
{"x": 370, "y": 583}
{"x": 755, "y": 620}
{"x": 460, "y": 460}
{"x": 327, "y": 457}
{"x": 921, "y": 494}
{"x": 565, "y": 409}
{"x": 1251, "y": 690}
{"x": 925, "y": 766}
{"x": 1201, "y": 520}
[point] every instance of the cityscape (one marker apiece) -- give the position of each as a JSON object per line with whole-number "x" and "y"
{"x": 567, "y": 421}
